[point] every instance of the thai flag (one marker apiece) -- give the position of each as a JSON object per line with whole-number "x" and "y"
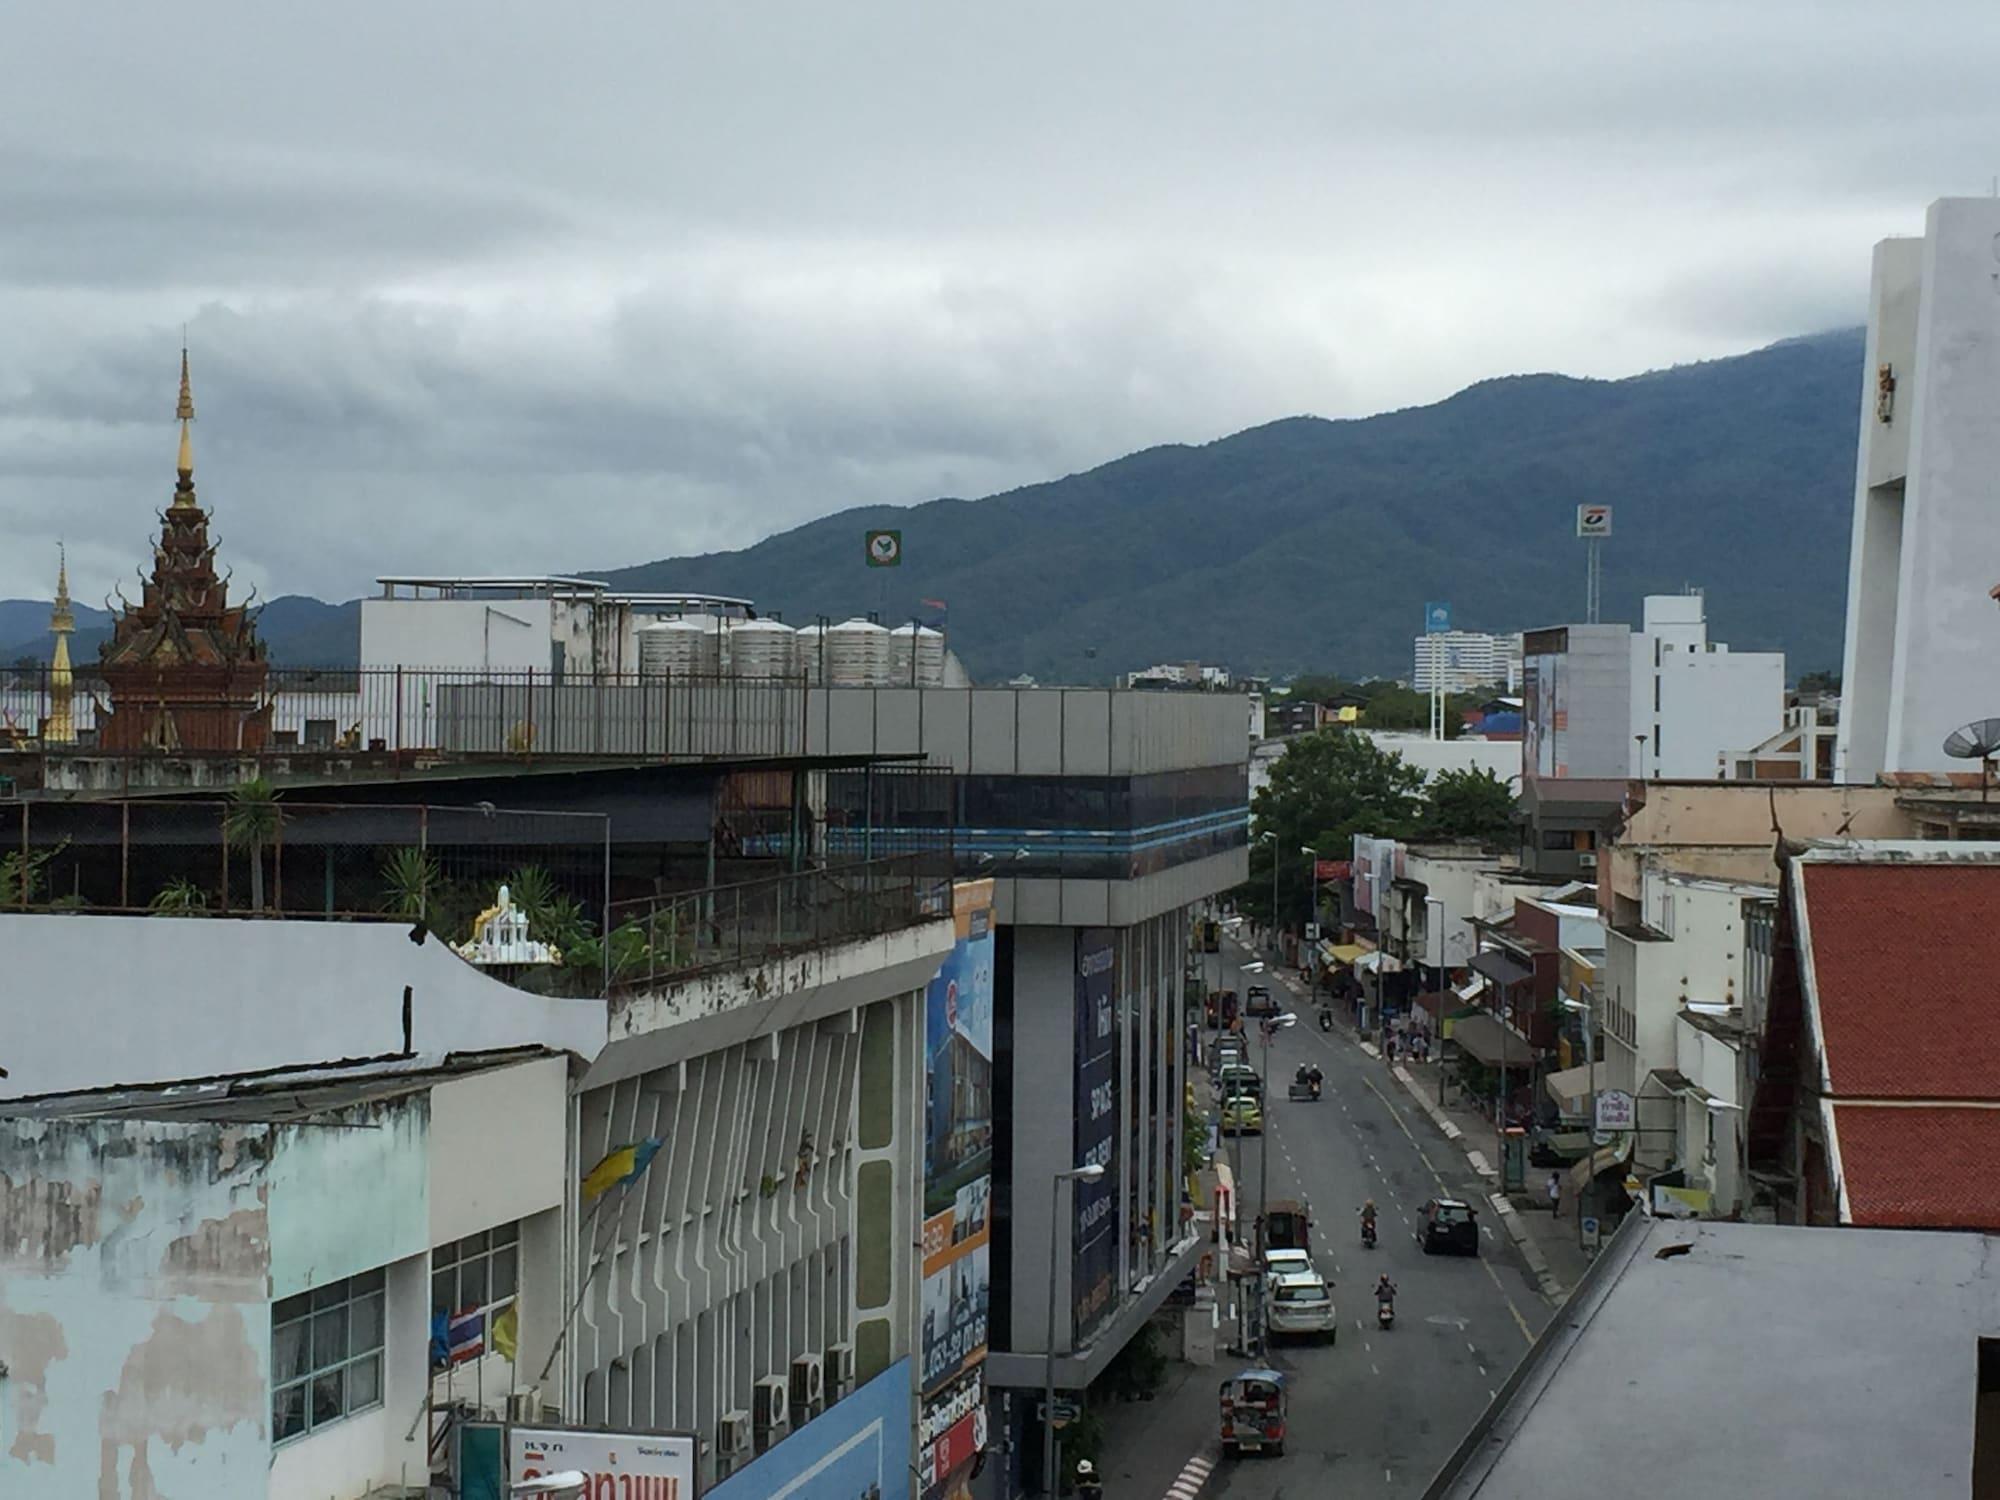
{"x": 939, "y": 606}
{"x": 465, "y": 1336}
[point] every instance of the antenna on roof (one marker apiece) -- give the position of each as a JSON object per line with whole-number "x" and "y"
{"x": 1980, "y": 741}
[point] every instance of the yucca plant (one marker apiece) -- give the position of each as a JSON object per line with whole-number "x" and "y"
{"x": 179, "y": 898}
{"x": 410, "y": 881}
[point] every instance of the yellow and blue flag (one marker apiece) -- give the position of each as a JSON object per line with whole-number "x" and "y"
{"x": 621, "y": 1168}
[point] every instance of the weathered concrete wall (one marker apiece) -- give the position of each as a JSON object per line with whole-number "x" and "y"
{"x": 134, "y": 1265}
{"x": 349, "y": 1193}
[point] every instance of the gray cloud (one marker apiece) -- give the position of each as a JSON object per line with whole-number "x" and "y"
{"x": 501, "y": 286}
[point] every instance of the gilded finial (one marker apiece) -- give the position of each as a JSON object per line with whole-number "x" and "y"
{"x": 184, "y": 466}
{"x": 62, "y": 619}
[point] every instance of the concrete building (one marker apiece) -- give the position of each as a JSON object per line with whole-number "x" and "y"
{"x": 1469, "y": 752}
{"x": 1696, "y": 1326}
{"x": 1922, "y": 631}
{"x": 1466, "y": 660}
{"x": 1605, "y": 701}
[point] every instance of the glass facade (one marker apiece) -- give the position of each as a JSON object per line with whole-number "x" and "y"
{"x": 1099, "y": 827}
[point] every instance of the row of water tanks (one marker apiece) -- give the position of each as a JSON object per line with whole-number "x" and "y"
{"x": 854, "y": 653}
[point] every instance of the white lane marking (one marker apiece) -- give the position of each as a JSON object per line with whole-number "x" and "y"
{"x": 1491, "y": 1394}
{"x": 1192, "y": 1478}
{"x": 1376, "y": 1368}
{"x": 1482, "y": 1371}
{"x": 1468, "y": 1344}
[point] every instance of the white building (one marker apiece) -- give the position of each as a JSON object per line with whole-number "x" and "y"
{"x": 1922, "y": 631}
{"x": 1465, "y": 660}
{"x": 1189, "y": 674}
{"x": 1663, "y": 702}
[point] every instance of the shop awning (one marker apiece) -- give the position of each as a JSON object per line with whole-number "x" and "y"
{"x": 1571, "y": 1088}
{"x": 1472, "y": 989}
{"x": 1601, "y": 1160}
{"x": 1490, "y": 1042}
{"x": 1499, "y": 967}
{"x": 1369, "y": 963}
{"x": 1341, "y": 953}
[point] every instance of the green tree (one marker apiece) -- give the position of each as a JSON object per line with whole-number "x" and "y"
{"x": 1469, "y": 804}
{"x": 253, "y": 820}
{"x": 1324, "y": 789}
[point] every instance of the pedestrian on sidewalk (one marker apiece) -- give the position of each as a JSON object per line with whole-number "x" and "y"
{"x": 1555, "y": 1194}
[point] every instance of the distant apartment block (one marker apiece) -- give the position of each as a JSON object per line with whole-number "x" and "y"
{"x": 1922, "y": 628}
{"x": 1465, "y": 660}
{"x": 1661, "y": 702}
{"x": 1179, "y": 674}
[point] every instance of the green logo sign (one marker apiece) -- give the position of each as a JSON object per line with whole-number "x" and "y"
{"x": 885, "y": 549}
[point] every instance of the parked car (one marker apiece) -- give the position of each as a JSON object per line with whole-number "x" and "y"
{"x": 1286, "y": 1261}
{"x": 1239, "y": 1078}
{"x": 1301, "y": 1303}
{"x": 1448, "y": 1226}
{"x": 1242, "y": 1114}
{"x": 1288, "y": 1225}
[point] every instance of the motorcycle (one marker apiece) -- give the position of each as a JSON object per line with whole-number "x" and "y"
{"x": 1315, "y": 1082}
{"x": 1385, "y": 1315}
{"x": 1368, "y": 1233}
{"x": 1326, "y": 1018}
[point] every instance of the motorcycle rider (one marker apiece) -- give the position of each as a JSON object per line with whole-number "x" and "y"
{"x": 1088, "y": 1485}
{"x": 1385, "y": 1292}
{"x": 1368, "y": 1221}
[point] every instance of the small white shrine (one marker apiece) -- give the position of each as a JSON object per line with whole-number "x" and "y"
{"x": 500, "y": 936}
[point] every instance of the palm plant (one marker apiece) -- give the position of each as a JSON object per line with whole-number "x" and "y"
{"x": 410, "y": 880}
{"x": 253, "y": 820}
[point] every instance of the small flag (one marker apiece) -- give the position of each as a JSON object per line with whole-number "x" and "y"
{"x": 885, "y": 549}
{"x": 620, "y": 1168}
{"x": 465, "y": 1335}
{"x": 507, "y": 1331}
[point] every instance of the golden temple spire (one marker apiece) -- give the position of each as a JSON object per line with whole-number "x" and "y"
{"x": 59, "y": 728}
{"x": 184, "y": 488}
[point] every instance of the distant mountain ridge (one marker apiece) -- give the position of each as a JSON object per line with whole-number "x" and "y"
{"x": 1308, "y": 543}
{"x": 1314, "y": 544}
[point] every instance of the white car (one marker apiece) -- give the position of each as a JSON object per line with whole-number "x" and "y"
{"x": 1286, "y": 1262}
{"x": 1301, "y": 1303}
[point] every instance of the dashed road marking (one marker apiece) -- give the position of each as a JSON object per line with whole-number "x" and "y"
{"x": 1192, "y": 1478}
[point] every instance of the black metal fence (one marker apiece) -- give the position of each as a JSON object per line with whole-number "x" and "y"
{"x": 663, "y": 938}
{"x": 424, "y": 710}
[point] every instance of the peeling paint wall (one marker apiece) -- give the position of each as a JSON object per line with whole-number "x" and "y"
{"x": 134, "y": 1321}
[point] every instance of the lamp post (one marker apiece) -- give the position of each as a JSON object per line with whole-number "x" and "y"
{"x": 1272, "y": 840}
{"x": 1270, "y": 1028}
{"x": 1090, "y": 1173}
{"x": 1434, "y": 920}
{"x": 1312, "y": 897}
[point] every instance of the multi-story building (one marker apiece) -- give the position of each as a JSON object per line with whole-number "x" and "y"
{"x": 1922, "y": 629}
{"x": 1466, "y": 660}
{"x": 1605, "y": 701}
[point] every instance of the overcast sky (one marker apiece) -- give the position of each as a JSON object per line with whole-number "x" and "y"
{"x": 486, "y": 287}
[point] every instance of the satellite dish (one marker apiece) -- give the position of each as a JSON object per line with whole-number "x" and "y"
{"x": 1974, "y": 741}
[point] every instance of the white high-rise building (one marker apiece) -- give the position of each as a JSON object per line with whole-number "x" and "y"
{"x": 1923, "y": 635}
{"x": 1467, "y": 659}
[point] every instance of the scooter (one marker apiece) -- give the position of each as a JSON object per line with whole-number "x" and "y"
{"x": 1368, "y": 1234}
{"x": 1325, "y": 1019}
{"x": 1385, "y": 1315}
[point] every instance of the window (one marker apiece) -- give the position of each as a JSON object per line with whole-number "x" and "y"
{"x": 326, "y": 1355}
{"x": 1558, "y": 838}
{"x": 480, "y": 1271}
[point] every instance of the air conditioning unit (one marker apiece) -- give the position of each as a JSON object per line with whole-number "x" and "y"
{"x": 808, "y": 1388}
{"x": 770, "y": 1412}
{"x": 840, "y": 1371}
{"x": 525, "y": 1406}
{"x": 1587, "y": 860}
{"x": 732, "y": 1443}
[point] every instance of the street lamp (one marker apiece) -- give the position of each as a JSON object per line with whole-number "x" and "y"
{"x": 1434, "y": 920}
{"x": 1271, "y": 1027}
{"x": 1312, "y": 896}
{"x": 1090, "y": 1173}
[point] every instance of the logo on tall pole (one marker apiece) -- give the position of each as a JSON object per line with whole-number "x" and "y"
{"x": 1437, "y": 618}
{"x": 1437, "y": 622}
{"x": 885, "y": 549}
{"x": 1593, "y": 525}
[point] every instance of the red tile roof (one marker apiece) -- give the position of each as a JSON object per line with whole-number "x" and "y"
{"x": 1919, "y": 1167}
{"x": 1906, "y": 965}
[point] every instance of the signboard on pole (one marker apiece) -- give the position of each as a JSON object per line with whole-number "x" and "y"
{"x": 666, "y": 1461}
{"x": 1616, "y": 1110}
{"x": 1437, "y": 617}
{"x": 885, "y": 549}
{"x": 1593, "y": 1231}
{"x": 1593, "y": 521}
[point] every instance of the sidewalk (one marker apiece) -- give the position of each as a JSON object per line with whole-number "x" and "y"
{"x": 1166, "y": 1446}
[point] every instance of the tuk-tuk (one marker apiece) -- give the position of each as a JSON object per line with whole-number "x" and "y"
{"x": 1253, "y": 1413}
{"x": 1287, "y": 1225}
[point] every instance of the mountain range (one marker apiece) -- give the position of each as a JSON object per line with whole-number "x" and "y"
{"x": 1315, "y": 544}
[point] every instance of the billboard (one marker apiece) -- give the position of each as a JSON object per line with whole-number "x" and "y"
{"x": 1437, "y": 618}
{"x": 951, "y": 1434}
{"x": 958, "y": 1145}
{"x": 1593, "y": 520}
{"x": 858, "y": 1449}
{"x": 1094, "y": 1231}
{"x": 621, "y": 1465}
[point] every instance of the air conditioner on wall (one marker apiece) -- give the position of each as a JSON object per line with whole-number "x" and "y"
{"x": 808, "y": 1388}
{"x": 1587, "y": 861}
{"x": 525, "y": 1406}
{"x": 732, "y": 1443}
{"x": 840, "y": 1371}
{"x": 770, "y": 1413}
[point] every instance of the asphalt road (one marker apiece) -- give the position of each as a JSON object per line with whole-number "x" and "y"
{"x": 1375, "y": 1413}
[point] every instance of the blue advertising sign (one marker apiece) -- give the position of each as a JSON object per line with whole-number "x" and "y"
{"x": 1094, "y": 1242}
{"x": 1437, "y": 618}
{"x": 861, "y": 1447}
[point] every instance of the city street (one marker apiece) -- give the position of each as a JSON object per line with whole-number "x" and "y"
{"x": 1380, "y": 1409}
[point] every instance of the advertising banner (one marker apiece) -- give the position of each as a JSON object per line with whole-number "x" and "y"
{"x": 621, "y": 1466}
{"x": 958, "y": 1145}
{"x": 860, "y": 1449}
{"x": 1094, "y": 1235}
{"x": 951, "y": 1434}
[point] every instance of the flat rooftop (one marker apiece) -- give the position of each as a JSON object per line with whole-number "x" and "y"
{"x": 1702, "y": 1358}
